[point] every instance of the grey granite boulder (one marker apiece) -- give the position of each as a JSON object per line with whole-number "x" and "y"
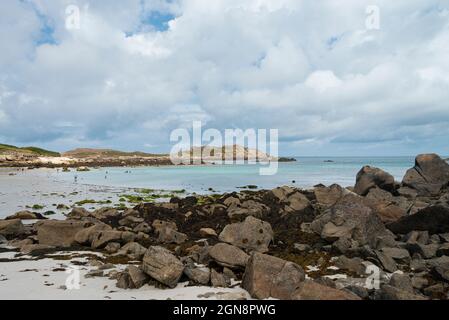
{"x": 370, "y": 177}
{"x": 160, "y": 264}
{"x": 312, "y": 290}
{"x": 267, "y": 276}
{"x": 429, "y": 175}
{"x": 252, "y": 234}
{"x": 58, "y": 233}
{"x": 434, "y": 219}
{"x": 228, "y": 256}
{"x": 11, "y": 228}
{"x": 350, "y": 218}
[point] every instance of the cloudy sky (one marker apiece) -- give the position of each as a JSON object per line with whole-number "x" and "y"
{"x": 319, "y": 71}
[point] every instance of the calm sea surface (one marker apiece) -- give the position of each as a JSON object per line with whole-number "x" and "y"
{"x": 306, "y": 172}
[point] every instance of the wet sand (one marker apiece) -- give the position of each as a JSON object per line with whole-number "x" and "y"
{"x": 45, "y": 279}
{"x": 21, "y": 190}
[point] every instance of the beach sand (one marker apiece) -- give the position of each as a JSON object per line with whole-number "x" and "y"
{"x": 21, "y": 190}
{"x": 45, "y": 280}
{"x": 24, "y": 277}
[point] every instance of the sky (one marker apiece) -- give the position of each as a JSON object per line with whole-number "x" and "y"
{"x": 334, "y": 77}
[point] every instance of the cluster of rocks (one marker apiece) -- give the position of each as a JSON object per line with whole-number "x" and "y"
{"x": 380, "y": 239}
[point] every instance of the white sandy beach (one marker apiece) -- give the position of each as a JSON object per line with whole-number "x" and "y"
{"x": 45, "y": 280}
{"x": 19, "y": 189}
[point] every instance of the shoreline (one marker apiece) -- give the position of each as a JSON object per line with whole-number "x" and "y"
{"x": 86, "y": 163}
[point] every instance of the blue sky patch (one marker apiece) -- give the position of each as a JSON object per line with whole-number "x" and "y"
{"x": 47, "y": 30}
{"x": 158, "y": 20}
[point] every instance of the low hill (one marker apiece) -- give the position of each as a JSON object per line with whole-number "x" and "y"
{"x": 83, "y": 153}
{"x": 6, "y": 149}
{"x": 236, "y": 152}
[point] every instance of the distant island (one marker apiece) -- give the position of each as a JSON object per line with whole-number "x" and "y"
{"x": 286, "y": 159}
{"x": 12, "y": 156}
{"x": 33, "y": 157}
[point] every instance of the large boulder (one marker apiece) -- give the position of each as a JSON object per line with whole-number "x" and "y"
{"x": 160, "y": 225}
{"x": 386, "y": 206}
{"x": 328, "y": 196}
{"x": 429, "y": 175}
{"x": 370, "y": 177}
{"x": 228, "y": 256}
{"x": 86, "y": 236}
{"x": 296, "y": 202}
{"x": 434, "y": 219}
{"x": 248, "y": 208}
{"x": 282, "y": 193}
{"x": 200, "y": 275}
{"x": 311, "y": 290}
{"x": 354, "y": 265}
{"x": 296, "y": 206}
{"x": 105, "y": 213}
{"x": 101, "y": 239}
{"x": 388, "y": 292}
{"x": 168, "y": 235}
{"x": 33, "y": 248}
{"x": 132, "y": 278}
{"x": 78, "y": 213}
{"x": 11, "y": 228}
{"x": 130, "y": 221}
{"x": 160, "y": 264}
{"x": 267, "y": 276}
{"x": 133, "y": 250}
{"x": 58, "y": 233}
{"x": 350, "y": 218}
{"x": 137, "y": 277}
{"x": 252, "y": 234}
{"x": 218, "y": 280}
{"x": 26, "y": 215}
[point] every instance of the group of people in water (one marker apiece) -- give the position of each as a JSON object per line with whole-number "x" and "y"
{"x": 75, "y": 177}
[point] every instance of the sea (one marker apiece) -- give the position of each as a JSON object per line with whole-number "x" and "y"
{"x": 306, "y": 172}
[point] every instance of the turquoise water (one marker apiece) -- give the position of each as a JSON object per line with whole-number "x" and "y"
{"x": 307, "y": 172}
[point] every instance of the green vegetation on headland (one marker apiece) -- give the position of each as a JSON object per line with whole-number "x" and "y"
{"x": 5, "y": 148}
{"x": 87, "y": 153}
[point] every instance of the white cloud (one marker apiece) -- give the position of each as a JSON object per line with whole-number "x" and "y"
{"x": 322, "y": 80}
{"x": 309, "y": 68}
{"x": 3, "y": 117}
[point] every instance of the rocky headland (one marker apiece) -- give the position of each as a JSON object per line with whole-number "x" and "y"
{"x": 11, "y": 156}
{"x": 31, "y": 157}
{"x": 380, "y": 239}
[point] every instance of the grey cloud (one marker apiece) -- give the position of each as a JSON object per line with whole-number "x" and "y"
{"x": 263, "y": 64}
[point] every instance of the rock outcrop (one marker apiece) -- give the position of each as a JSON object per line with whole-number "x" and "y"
{"x": 429, "y": 175}
{"x": 252, "y": 234}
{"x": 311, "y": 290}
{"x": 11, "y": 228}
{"x": 58, "y": 233}
{"x": 160, "y": 264}
{"x": 266, "y": 276}
{"x": 434, "y": 219}
{"x": 228, "y": 255}
{"x": 394, "y": 237}
{"x": 369, "y": 177}
{"x": 350, "y": 218}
